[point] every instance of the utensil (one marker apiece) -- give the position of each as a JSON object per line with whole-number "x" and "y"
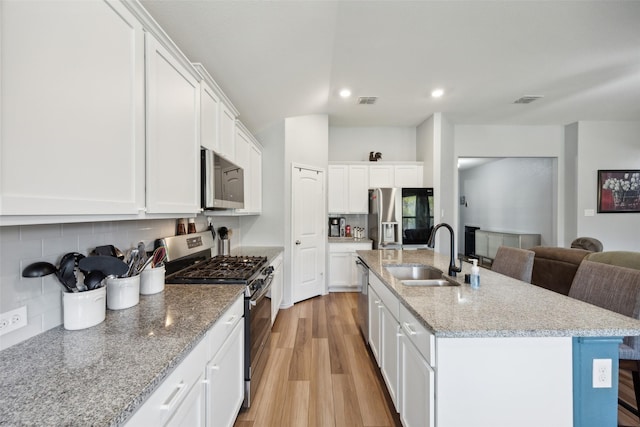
{"x": 66, "y": 270}
{"x": 131, "y": 261}
{"x": 94, "y": 279}
{"x": 159, "y": 255}
{"x": 41, "y": 269}
{"x": 108, "y": 265}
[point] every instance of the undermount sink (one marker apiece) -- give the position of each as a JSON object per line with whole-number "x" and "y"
{"x": 418, "y": 275}
{"x": 430, "y": 282}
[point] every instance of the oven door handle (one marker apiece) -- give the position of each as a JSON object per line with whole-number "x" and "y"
{"x": 263, "y": 291}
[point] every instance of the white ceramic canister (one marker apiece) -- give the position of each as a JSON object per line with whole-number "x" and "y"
{"x": 152, "y": 280}
{"x": 123, "y": 292}
{"x": 83, "y": 310}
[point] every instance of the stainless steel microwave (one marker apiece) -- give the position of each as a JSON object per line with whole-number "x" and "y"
{"x": 222, "y": 182}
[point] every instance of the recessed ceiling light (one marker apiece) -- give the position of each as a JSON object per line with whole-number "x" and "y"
{"x": 345, "y": 93}
{"x": 437, "y": 93}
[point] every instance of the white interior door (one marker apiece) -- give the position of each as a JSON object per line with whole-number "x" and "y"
{"x": 308, "y": 202}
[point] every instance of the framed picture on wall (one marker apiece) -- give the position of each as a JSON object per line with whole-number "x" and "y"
{"x": 618, "y": 191}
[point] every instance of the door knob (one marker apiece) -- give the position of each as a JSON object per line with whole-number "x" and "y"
{"x": 297, "y": 242}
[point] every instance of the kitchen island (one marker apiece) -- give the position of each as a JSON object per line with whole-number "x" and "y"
{"x": 508, "y": 353}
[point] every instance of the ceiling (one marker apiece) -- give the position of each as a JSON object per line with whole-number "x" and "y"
{"x": 277, "y": 59}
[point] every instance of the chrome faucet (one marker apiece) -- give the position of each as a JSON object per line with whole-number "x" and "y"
{"x": 453, "y": 269}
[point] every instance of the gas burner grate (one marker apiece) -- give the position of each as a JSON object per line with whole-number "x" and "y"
{"x": 224, "y": 267}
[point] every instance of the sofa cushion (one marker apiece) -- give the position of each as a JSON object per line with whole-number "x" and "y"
{"x": 620, "y": 258}
{"x": 554, "y": 268}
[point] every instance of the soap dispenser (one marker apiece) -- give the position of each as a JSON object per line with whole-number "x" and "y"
{"x": 475, "y": 275}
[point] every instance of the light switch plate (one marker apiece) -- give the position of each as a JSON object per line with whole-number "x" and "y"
{"x": 589, "y": 212}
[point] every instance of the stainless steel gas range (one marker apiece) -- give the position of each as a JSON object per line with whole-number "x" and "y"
{"x": 189, "y": 261}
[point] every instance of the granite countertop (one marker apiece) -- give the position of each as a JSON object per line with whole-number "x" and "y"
{"x": 349, "y": 240}
{"x": 501, "y": 307}
{"x": 99, "y": 376}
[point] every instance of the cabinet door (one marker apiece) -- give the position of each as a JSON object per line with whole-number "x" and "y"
{"x": 227, "y": 132}
{"x": 72, "y": 109}
{"x": 417, "y": 392}
{"x": 276, "y": 292}
{"x": 389, "y": 329}
{"x": 374, "y": 323}
{"x": 358, "y": 195}
{"x": 340, "y": 269}
{"x": 338, "y": 176}
{"x": 381, "y": 176}
{"x": 225, "y": 380}
{"x": 209, "y": 118}
{"x": 243, "y": 159}
{"x": 407, "y": 176}
{"x": 191, "y": 412}
{"x": 255, "y": 166}
{"x": 173, "y": 99}
{"x": 482, "y": 244}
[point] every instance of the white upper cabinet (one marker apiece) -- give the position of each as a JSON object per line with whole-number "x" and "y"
{"x": 248, "y": 155}
{"x": 227, "y": 131}
{"x": 217, "y": 117}
{"x": 381, "y": 176}
{"x": 396, "y": 175}
{"x": 407, "y": 175}
{"x": 72, "y": 109}
{"x": 338, "y": 176}
{"x": 358, "y": 200}
{"x": 173, "y": 135}
{"x": 209, "y": 118}
{"x": 348, "y": 189}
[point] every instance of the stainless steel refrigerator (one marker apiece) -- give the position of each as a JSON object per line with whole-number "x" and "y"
{"x": 400, "y": 217}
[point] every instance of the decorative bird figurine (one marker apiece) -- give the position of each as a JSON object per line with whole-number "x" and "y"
{"x": 374, "y": 157}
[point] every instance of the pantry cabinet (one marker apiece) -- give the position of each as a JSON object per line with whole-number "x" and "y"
{"x": 72, "y": 109}
{"x": 173, "y": 134}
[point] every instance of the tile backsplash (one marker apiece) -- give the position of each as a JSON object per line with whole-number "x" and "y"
{"x": 23, "y": 245}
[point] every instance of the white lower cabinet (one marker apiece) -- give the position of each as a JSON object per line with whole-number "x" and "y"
{"x": 277, "y": 287}
{"x": 225, "y": 380}
{"x": 404, "y": 350}
{"x": 389, "y": 348}
{"x": 374, "y": 323}
{"x": 180, "y": 397}
{"x": 207, "y": 387}
{"x": 416, "y": 376}
{"x": 343, "y": 274}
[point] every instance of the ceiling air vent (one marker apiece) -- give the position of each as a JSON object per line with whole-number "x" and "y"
{"x": 367, "y": 100}
{"x": 527, "y": 99}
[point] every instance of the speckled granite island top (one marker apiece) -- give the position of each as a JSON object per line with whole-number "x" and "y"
{"x": 501, "y": 307}
{"x": 100, "y": 375}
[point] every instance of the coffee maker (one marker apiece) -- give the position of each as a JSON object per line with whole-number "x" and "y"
{"x": 337, "y": 227}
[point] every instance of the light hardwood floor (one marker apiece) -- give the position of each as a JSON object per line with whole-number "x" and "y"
{"x": 319, "y": 371}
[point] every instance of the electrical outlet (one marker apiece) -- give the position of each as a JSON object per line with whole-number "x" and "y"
{"x": 601, "y": 373}
{"x": 12, "y": 320}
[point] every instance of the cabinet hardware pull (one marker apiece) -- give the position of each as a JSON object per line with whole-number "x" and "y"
{"x": 409, "y": 329}
{"x": 173, "y": 397}
{"x": 231, "y": 320}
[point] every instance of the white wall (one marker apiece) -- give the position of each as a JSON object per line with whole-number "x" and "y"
{"x": 606, "y": 145}
{"x": 355, "y": 143}
{"x": 571, "y": 183}
{"x": 518, "y": 141}
{"x": 424, "y": 149}
{"x": 306, "y": 143}
{"x": 23, "y": 245}
{"x": 511, "y": 194}
{"x": 267, "y": 229}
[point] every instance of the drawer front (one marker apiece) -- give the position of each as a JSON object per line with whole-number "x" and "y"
{"x": 418, "y": 335}
{"x": 387, "y": 297}
{"x": 168, "y": 397}
{"x": 223, "y": 326}
{"x": 350, "y": 247}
